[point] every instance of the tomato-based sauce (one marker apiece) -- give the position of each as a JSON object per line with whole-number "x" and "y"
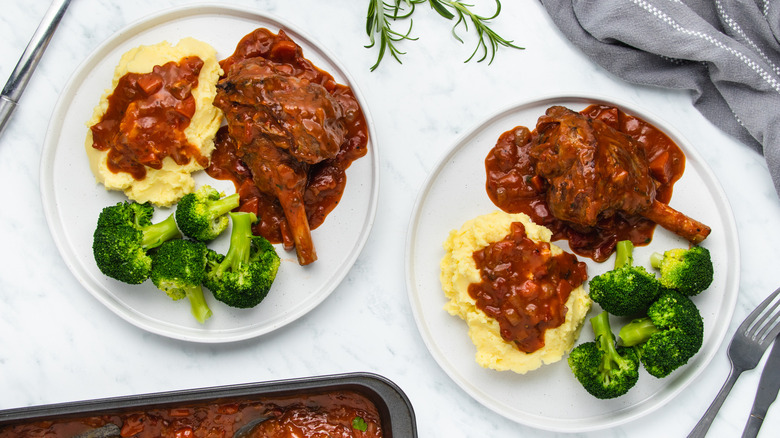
{"x": 326, "y": 179}
{"x": 524, "y": 287}
{"x": 340, "y": 414}
{"x": 514, "y": 186}
{"x": 146, "y": 118}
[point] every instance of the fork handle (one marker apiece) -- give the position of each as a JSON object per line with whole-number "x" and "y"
{"x": 701, "y": 428}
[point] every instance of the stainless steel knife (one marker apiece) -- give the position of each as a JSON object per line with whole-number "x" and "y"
{"x": 32, "y": 54}
{"x": 768, "y": 386}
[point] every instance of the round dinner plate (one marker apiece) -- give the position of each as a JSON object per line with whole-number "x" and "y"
{"x": 73, "y": 200}
{"x": 550, "y": 397}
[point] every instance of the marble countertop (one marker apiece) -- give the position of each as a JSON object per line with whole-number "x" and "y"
{"x": 59, "y": 344}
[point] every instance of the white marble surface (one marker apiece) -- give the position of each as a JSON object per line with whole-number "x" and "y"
{"x": 59, "y": 344}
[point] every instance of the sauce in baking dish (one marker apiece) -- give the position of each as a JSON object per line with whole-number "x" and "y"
{"x": 338, "y": 414}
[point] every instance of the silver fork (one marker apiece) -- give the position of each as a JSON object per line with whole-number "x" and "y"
{"x": 748, "y": 345}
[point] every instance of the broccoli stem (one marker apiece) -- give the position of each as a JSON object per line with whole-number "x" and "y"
{"x": 200, "y": 310}
{"x": 655, "y": 260}
{"x": 603, "y": 332}
{"x": 624, "y": 254}
{"x": 224, "y": 205}
{"x": 240, "y": 241}
{"x": 154, "y": 235}
{"x": 637, "y": 331}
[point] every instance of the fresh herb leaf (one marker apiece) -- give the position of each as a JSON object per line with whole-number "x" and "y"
{"x": 382, "y": 14}
{"x": 439, "y": 7}
{"x": 484, "y": 31}
{"x": 360, "y": 424}
{"x": 378, "y": 24}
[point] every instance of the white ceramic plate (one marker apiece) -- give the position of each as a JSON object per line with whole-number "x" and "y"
{"x": 72, "y": 200}
{"x": 550, "y": 397}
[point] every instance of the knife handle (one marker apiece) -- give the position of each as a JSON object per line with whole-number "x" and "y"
{"x": 21, "y": 74}
{"x": 753, "y": 425}
{"x": 7, "y": 107}
{"x": 34, "y": 50}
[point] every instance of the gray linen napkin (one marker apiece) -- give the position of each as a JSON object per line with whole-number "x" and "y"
{"x": 725, "y": 51}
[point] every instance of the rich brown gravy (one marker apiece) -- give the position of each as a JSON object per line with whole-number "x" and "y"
{"x": 340, "y": 414}
{"x": 146, "y": 118}
{"x": 326, "y": 179}
{"x": 513, "y": 186}
{"x": 524, "y": 287}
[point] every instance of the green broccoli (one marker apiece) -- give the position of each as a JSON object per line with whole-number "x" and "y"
{"x": 604, "y": 370}
{"x": 626, "y": 290}
{"x": 126, "y": 213}
{"x": 670, "y": 334}
{"x": 123, "y": 237}
{"x": 202, "y": 214}
{"x": 688, "y": 271}
{"x": 178, "y": 269}
{"x": 242, "y": 277}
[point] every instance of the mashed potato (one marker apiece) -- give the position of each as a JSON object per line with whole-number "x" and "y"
{"x": 165, "y": 186}
{"x": 458, "y": 271}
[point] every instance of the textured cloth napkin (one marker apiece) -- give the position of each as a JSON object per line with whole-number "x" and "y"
{"x": 725, "y": 51}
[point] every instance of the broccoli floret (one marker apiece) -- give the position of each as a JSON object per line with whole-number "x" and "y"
{"x": 688, "y": 271}
{"x": 242, "y": 277}
{"x": 126, "y": 213}
{"x": 202, "y": 214}
{"x": 178, "y": 269}
{"x": 626, "y": 290}
{"x": 603, "y": 369}
{"x": 123, "y": 237}
{"x": 670, "y": 334}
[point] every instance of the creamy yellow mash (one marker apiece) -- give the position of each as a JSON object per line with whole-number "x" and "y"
{"x": 458, "y": 271}
{"x": 167, "y": 185}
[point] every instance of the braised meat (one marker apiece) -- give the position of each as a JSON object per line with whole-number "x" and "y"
{"x": 594, "y": 171}
{"x": 282, "y": 125}
{"x": 293, "y": 113}
{"x": 591, "y": 169}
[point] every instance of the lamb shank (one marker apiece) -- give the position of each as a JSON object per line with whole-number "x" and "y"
{"x": 593, "y": 171}
{"x": 282, "y": 124}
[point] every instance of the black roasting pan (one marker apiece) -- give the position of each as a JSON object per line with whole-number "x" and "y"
{"x": 395, "y": 410}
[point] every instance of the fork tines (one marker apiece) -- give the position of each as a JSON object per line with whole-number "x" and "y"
{"x": 761, "y": 325}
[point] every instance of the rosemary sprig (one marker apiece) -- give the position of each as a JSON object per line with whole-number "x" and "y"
{"x": 484, "y": 31}
{"x": 382, "y": 14}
